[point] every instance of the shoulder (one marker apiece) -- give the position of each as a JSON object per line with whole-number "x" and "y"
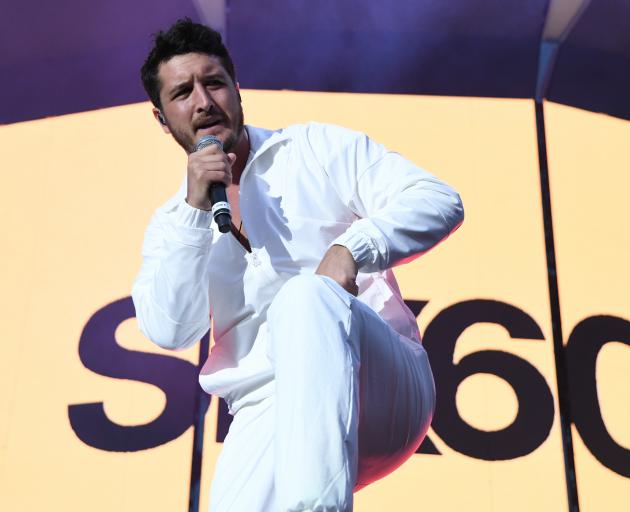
{"x": 316, "y": 132}
{"x": 313, "y": 133}
{"x": 330, "y": 143}
{"x": 339, "y": 147}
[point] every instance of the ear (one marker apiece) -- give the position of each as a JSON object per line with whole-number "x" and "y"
{"x": 159, "y": 117}
{"x": 238, "y": 91}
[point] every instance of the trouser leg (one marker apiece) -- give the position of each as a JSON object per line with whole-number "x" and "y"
{"x": 243, "y": 475}
{"x": 330, "y": 351}
{"x": 397, "y": 398}
{"x": 316, "y": 392}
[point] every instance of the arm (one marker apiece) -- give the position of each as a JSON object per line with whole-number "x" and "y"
{"x": 171, "y": 293}
{"x": 403, "y": 210}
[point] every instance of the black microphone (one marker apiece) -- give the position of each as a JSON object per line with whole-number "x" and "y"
{"x": 218, "y": 198}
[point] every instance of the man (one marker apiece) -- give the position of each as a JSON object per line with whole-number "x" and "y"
{"x": 316, "y": 354}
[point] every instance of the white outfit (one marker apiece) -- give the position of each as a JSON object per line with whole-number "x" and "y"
{"x": 303, "y": 189}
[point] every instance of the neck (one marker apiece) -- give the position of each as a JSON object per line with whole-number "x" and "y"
{"x": 241, "y": 150}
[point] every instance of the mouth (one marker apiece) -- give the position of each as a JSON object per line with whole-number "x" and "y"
{"x": 207, "y": 124}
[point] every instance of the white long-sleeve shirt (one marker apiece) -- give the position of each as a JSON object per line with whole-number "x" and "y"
{"x": 303, "y": 189}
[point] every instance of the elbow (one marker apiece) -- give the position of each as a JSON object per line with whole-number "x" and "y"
{"x": 164, "y": 332}
{"x": 166, "y": 339}
{"x": 450, "y": 207}
{"x": 171, "y": 336}
{"x": 457, "y": 214}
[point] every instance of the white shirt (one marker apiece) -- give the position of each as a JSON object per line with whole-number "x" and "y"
{"x": 303, "y": 189}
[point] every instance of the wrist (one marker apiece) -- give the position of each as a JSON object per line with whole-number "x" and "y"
{"x": 189, "y": 216}
{"x": 205, "y": 206}
{"x": 344, "y": 252}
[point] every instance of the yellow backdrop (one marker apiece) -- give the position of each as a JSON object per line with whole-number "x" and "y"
{"x": 78, "y": 192}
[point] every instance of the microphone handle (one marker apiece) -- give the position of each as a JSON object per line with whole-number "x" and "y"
{"x": 220, "y": 207}
{"x": 216, "y": 194}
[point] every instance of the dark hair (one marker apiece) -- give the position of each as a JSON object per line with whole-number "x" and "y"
{"x": 184, "y": 36}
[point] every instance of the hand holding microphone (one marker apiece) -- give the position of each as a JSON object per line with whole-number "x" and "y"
{"x": 209, "y": 172}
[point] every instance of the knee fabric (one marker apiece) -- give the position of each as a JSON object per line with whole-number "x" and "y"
{"x": 352, "y": 400}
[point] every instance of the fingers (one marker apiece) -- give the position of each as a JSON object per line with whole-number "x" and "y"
{"x": 207, "y": 166}
{"x": 211, "y": 170}
{"x": 348, "y": 284}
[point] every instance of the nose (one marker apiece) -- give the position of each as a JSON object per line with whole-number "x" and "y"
{"x": 203, "y": 98}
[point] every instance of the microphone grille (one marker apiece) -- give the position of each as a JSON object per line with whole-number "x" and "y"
{"x": 206, "y": 141}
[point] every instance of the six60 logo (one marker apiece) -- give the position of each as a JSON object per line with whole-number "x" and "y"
{"x": 177, "y": 378}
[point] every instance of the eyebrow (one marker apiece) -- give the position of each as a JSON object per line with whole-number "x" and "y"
{"x": 181, "y": 85}
{"x": 177, "y": 87}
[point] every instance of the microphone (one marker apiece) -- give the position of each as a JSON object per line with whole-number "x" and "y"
{"x": 218, "y": 198}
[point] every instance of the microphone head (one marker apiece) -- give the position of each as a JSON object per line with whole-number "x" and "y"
{"x": 206, "y": 141}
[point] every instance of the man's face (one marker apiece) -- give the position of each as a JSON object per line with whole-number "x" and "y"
{"x": 199, "y": 98}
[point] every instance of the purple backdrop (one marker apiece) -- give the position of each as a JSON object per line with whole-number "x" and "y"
{"x": 71, "y": 56}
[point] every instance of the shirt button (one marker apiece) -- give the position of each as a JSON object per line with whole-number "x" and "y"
{"x": 255, "y": 260}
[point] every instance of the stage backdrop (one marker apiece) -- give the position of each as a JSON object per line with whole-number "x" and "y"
{"x": 94, "y": 417}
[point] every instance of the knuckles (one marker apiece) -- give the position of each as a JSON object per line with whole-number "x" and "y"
{"x": 214, "y": 168}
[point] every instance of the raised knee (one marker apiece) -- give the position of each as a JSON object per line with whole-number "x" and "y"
{"x": 301, "y": 292}
{"x": 303, "y": 284}
{"x": 309, "y": 300}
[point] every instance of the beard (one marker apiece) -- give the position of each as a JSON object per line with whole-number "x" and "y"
{"x": 234, "y": 137}
{"x": 189, "y": 142}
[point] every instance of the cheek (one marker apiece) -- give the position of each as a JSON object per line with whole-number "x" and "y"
{"x": 179, "y": 110}
{"x": 232, "y": 105}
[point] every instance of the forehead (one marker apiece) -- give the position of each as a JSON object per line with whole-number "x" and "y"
{"x": 182, "y": 68}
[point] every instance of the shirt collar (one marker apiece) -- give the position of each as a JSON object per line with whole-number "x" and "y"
{"x": 261, "y": 139}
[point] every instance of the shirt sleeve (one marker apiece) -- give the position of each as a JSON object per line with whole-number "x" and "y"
{"x": 403, "y": 211}
{"x": 171, "y": 293}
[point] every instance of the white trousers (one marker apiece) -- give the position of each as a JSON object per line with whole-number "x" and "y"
{"x": 353, "y": 400}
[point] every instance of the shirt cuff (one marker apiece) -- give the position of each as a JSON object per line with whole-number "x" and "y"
{"x": 192, "y": 217}
{"x": 188, "y": 225}
{"x": 360, "y": 246}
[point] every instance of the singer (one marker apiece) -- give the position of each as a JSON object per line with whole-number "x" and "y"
{"x": 316, "y": 354}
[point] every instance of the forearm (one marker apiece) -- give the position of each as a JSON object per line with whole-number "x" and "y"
{"x": 403, "y": 211}
{"x": 402, "y": 219}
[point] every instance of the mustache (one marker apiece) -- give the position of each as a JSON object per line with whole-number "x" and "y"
{"x": 207, "y": 121}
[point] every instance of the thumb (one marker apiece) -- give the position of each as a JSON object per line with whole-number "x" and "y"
{"x": 232, "y": 158}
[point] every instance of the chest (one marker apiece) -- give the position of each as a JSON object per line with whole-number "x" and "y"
{"x": 233, "y": 192}
{"x": 287, "y": 208}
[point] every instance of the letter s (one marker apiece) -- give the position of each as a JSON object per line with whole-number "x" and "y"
{"x": 177, "y": 378}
